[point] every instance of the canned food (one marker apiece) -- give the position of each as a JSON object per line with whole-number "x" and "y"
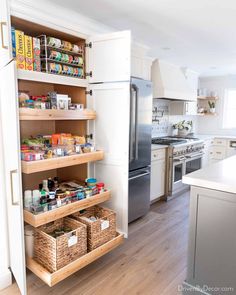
{"x": 65, "y": 57}
{"x": 55, "y": 55}
{"x": 66, "y": 45}
{"x": 75, "y": 48}
{"x": 54, "y": 42}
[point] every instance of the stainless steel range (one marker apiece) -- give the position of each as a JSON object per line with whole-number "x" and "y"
{"x": 184, "y": 156}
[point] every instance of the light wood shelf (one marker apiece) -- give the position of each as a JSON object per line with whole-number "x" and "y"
{"x": 28, "y": 114}
{"x": 43, "y": 218}
{"x": 51, "y": 78}
{"x": 208, "y": 97}
{"x": 207, "y": 114}
{"x": 60, "y": 162}
{"x": 52, "y": 279}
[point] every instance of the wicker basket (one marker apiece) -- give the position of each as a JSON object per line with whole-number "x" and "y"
{"x": 100, "y": 231}
{"x": 54, "y": 253}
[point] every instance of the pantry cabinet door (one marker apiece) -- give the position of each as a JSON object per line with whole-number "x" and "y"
{"x": 109, "y": 58}
{"x": 5, "y": 47}
{"x": 111, "y": 134}
{"x": 12, "y": 169}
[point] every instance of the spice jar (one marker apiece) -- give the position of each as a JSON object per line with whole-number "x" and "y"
{"x": 100, "y": 187}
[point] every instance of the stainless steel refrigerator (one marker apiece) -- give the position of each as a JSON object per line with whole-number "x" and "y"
{"x": 140, "y": 147}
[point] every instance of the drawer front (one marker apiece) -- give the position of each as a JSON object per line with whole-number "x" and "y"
{"x": 218, "y": 153}
{"x": 158, "y": 154}
{"x": 220, "y": 142}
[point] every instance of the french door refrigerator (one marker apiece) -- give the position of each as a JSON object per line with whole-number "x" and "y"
{"x": 139, "y": 147}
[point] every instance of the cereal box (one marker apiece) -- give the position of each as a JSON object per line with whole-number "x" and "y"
{"x": 28, "y": 53}
{"x": 13, "y": 40}
{"x": 20, "y": 50}
{"x": 36, "y": 54}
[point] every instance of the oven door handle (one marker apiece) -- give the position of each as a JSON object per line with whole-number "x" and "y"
{"x": 179, "y": 159}
{"x": 194, "y": 155}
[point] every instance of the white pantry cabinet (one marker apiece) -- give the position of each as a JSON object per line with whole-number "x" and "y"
{"x": 108, "y": 60}
{"x": 158, "y": 172}
{"x": 12, "y": 169}
{"x": 5, "y": 29}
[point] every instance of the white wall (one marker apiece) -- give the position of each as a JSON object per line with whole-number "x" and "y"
{"x": 213, "y": 124}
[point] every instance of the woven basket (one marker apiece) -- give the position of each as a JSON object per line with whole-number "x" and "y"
{"x": 100, "y": 231}
{"x": 54, "y": 253}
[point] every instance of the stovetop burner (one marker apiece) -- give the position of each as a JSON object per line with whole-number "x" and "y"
{"x": 168, "y": 141}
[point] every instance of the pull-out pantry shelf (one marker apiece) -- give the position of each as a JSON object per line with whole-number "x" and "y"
{"x": 60, "y": 162}
{"x": 28, "y": 114}
{"x": 43, "y": 218}
{"x": 52, "y": 279}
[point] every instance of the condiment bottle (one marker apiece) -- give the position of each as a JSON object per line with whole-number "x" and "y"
{"x": 27, "y": 199}
{"x": 36, "y": 197}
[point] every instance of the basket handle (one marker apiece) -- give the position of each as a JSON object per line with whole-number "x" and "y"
{"x": 72, "y": 238}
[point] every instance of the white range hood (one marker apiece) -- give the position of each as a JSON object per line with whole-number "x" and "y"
{"x": 172, "y": 82}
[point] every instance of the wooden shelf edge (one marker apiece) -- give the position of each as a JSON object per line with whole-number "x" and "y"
{"x": 60, "y": 162}
{"x": 27, "y": 114}
{"x": 52, "y": 279}
{"x": 208, "y": 97}
{"x": 51, "y": 78}
{"x": 43, "y": 218}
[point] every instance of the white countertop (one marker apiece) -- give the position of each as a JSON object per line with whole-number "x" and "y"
{"x": 219, "y": 176}
{"x": 210, "y": 136}
{"x": 158, "y": 146}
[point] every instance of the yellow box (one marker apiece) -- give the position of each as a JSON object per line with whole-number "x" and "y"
{"x": 20, "y": 50}
{"x": 28, "y": 53}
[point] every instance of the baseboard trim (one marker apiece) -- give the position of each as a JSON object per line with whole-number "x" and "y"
{"x": 188, "y": 289}
{"x": 5, "y": 279}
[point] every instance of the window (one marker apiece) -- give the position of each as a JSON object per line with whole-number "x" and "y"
{"x": 229, "y": 113}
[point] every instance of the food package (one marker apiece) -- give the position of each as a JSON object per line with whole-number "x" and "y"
{"x": 36, "y": 54}
{"x": 20, "y": 50}
{"x": 13, "y": 39}
{"x": 28, "y": 53}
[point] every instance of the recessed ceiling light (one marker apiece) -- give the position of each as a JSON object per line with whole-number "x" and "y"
{"x": 213, "y": 68}
{"x": 165, "y": 48}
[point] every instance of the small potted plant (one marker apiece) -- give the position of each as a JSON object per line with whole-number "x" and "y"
{"x": 212, "y": 106}
{"x": 183, "y": 127}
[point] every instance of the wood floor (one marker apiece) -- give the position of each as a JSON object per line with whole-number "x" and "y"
{"x": 151, "y": 262}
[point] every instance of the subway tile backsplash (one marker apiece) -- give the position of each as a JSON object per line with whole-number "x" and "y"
{"x": 161, "y": 120}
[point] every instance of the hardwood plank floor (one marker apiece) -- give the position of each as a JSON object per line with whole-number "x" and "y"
{"x": 151, "y": 262}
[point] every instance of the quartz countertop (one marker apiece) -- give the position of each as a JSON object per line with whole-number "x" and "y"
{"x": 158, "y": 146}
{"x": 210, "y": 136}
{"x": 219, "y": 176}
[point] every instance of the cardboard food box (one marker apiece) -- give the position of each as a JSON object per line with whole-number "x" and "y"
{"x": 28, "y": 53}
{"x": 20, "y": 50}
{"x": 36, "y": 54}
{"x": 13, "y": 40}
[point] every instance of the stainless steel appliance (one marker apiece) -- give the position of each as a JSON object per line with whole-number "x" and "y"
{"x": 140, "y": 147}
{"x": 184, "y": 156}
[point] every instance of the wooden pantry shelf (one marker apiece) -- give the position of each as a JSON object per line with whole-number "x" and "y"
{"x": 60, "y": 162}
{"x": 52, "y": 279}
{"x": 43, "y": 218}
{"x": 51, "y": 78}
{"x": 208, "y": 97}
{"x": 45, "y": 115}
{"x": 207, "y": 114}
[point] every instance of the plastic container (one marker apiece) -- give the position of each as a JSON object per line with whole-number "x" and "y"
{"x": 29, "y": 241}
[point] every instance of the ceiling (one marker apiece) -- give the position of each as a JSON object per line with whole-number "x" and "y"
{"x": 197, "y": 34}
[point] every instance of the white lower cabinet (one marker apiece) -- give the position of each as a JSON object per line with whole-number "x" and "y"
{"x": 158, "y": 171}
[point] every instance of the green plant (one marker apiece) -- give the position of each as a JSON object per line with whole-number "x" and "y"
{"x": 211, "y": 104}
{"x": 183, "y": 125}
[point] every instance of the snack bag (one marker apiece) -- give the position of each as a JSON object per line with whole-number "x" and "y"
{"x": 28, "y": 53}
{"x": 13, "y": 40}
{"x": 20, "y": 50}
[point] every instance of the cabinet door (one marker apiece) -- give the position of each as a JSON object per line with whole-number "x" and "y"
{"x": 190, "y": 108}
{"x": 111, "y": 134}
{"x": 11, "y": 148}
{"x": 109, "y": 57}
{"x": 157, "y": 179}
{"x": 4, "y": 34}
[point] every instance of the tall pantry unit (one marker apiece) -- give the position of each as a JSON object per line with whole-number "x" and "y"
{"x": 106, "y": 91}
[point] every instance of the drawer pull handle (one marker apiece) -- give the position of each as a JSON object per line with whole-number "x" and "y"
{"x": 2, "y": 35}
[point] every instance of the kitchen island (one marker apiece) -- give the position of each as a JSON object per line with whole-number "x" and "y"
{"x": 212, "y": 234}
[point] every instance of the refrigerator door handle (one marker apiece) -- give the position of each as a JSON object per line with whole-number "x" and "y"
{"x": 139, "y": 175}
{"x": 132, "y": 122}
{"x": 136, "y": 121}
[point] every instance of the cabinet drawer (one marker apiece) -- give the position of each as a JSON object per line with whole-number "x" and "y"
{"x": 217, "y": 153}
{"x": 220, "y": 142}
{"x": 158, "y": 154}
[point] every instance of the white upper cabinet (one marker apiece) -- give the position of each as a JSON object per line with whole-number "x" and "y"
{"x": 5, "y": 28}
{"x": 12, "y": 172}
{"x": 109, "y": 57}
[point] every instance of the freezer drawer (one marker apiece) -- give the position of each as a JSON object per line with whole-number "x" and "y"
{"x": 139, "y": 193}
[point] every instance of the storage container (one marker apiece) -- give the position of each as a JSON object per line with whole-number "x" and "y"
{"x": 54, "y": 253}
{"x": 99, "y": 230}
{"x": 29, "y": 241}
